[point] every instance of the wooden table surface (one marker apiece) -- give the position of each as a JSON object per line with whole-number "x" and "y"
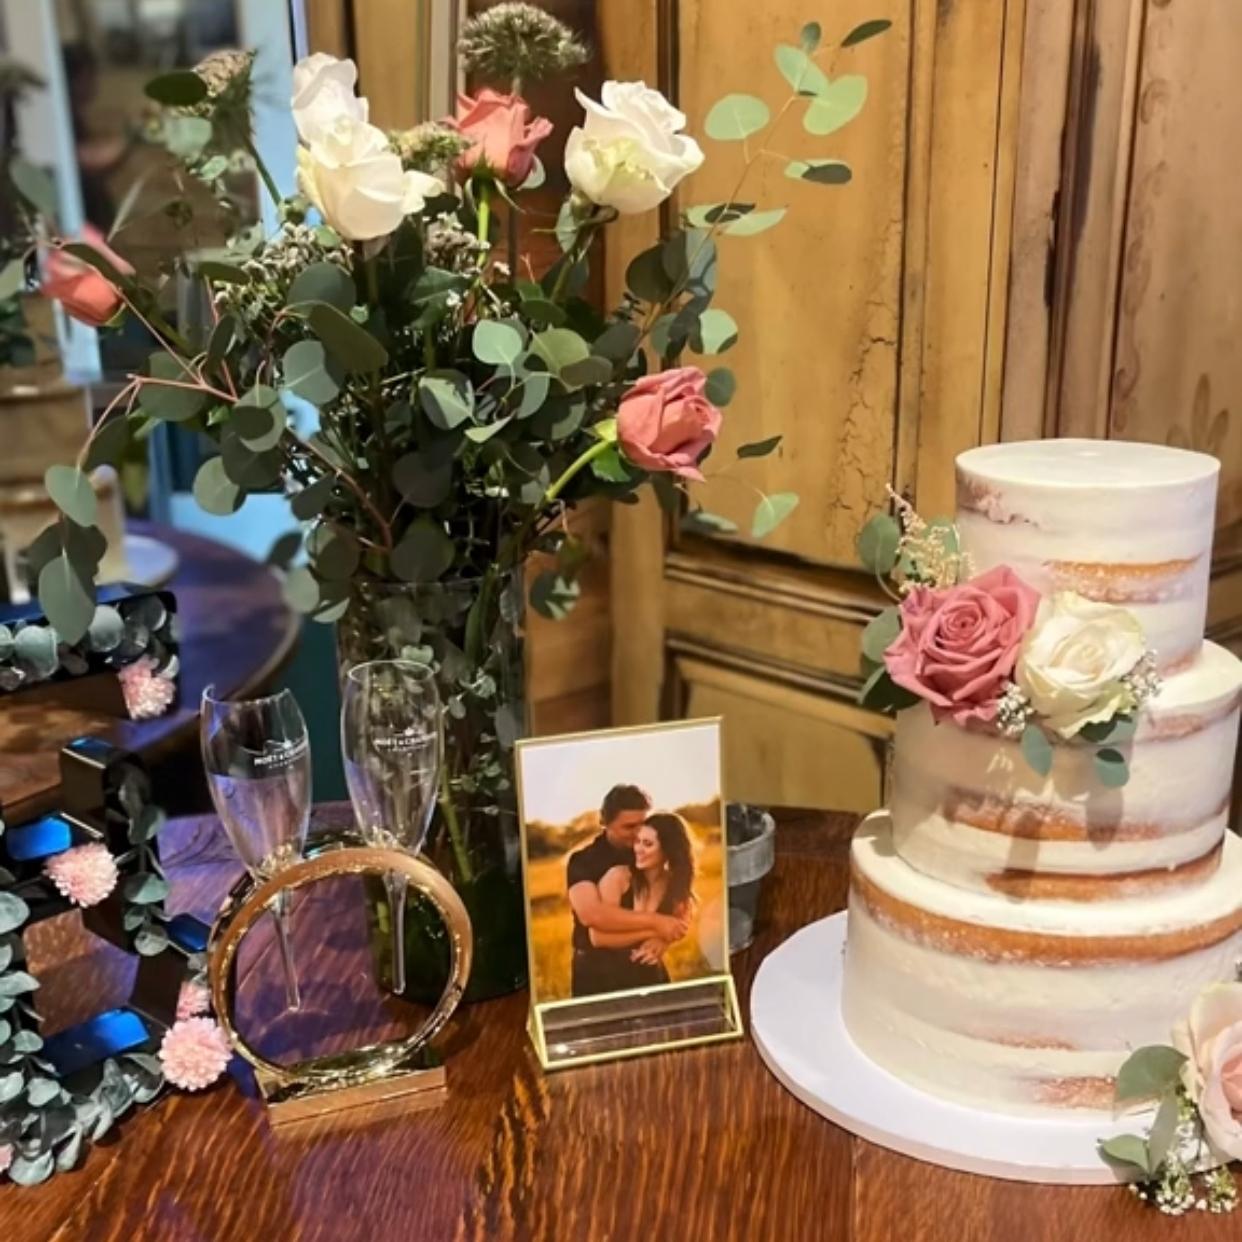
{"x": 237, "y": 632}
{"x": 701, "y": 1145}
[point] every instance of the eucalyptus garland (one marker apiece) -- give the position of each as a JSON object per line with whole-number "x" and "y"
{"x": 46, "y": 1119}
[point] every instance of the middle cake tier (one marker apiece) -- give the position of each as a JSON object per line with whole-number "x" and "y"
{"x": 968, "y": 809}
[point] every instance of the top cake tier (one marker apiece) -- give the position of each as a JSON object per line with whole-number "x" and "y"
{"x": 1129, "y": 524}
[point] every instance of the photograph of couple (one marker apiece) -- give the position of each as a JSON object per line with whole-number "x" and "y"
{"x": 625, "y": 877}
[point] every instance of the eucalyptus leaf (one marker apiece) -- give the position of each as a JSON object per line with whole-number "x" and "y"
{"x": 554, "y": 596}
{"x": 421, "y": 482}
{"x": 309, "y": 374}
{"x": 560, "y": 348}
{"x": 17, "y": 983}
{"x": 181, "y": 89}
{"x": 223, "y": 337}
{"x": 1128, "y": 1150}
{"x": 646, "y": 278}
{"x": 214, "y": 491}
{"x": 587, "y": 372}
{"x": 755, "y": 222}
{"x": 1111, "y": 768}
{"x": 71, "y": 492}
{"x": 760, "y": 448}
{"x": 311, "y": 501}
{"x": 152, "y": 940}
{"x": 716, "y": 331}
{"x": 447, "y": 398}
{"x": 717, "y": 213}
{"x": 349, "y": 343}
{"x": 67, "y": 601}
{"x": 483, "y": 433}
{"x": 251, "y": 469}
{"x": 736, "y": 117}
{"x": 223, "y": 273}
{"x": 108, "y": 442}
{"x": 797, "y": 68}
{"x": 13, "y": 912}
{"x": 32, "y": 1171}
{"x": 820, "y": 172}
{"x": 611, "y": 467}
{"x": 146, "y": 889}
{"x": 497, "y": 343}
{"x": 877, "y": 544}
{"x": 35, "y": 185}
{"x": 867, "y": 30}
{"x": 534, "y": 390}
{"x": 336, "y": 553}
{"x": 721, "y": 385}
{"x": 617, "y": 342}
{"x": 836, "y": 106}
{"x": 771, "y": 511}
{"x": 12, "y": 279}
{"x": 301, "y": 589}
{"x": 1148, "y": 1073}
{"x": 880, "y": 633}
{"x": 41, "y": 1091}
{"x": 1037, "y": 749}
{"x": 424, "y": 553}
{"x": 702, "y": 521}
{"x": 1163, "y": 1129}
{"x": 170, "y": 401}
{"x": 323, "y": 282}
{"x": 809, "y": 36}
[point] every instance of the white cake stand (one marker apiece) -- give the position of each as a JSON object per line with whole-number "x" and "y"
{"x": 795, "y": 1014}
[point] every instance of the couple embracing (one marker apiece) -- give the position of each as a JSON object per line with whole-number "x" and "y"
{"x": 631, "y": 889}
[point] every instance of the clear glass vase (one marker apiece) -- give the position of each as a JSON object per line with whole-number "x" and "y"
{"x": 470, "y": 631}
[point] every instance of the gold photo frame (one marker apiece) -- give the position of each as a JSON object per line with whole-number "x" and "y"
{"x": 624, "y": 867}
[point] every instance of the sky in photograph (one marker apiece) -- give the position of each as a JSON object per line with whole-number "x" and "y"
{"x": 676, "y": 767}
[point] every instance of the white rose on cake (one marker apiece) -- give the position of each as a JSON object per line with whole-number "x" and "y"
{"x": 1211, "y": 1040}
{"x": 629, "y": 152}
{"x": 1075, "y": 661}
{"x": 355, "y": 179}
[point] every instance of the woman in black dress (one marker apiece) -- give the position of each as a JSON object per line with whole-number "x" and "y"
{"x": 661, "y": 881}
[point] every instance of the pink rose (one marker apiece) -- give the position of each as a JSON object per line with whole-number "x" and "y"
{"x": 1210, "y": 1038}
{"x": 666, "y": 422}
{"x": 958, "y": 645}
{"x": 86, "y": 294}
{"x": 503, "y": 135}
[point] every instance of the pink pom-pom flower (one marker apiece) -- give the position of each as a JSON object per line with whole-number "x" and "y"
{"x": 147, "y": 694}
{"x": 194, "y": 1053}
{"x": 193, "y": 1000}
{"x": 85, "y": 874}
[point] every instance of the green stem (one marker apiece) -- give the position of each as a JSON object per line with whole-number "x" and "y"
{"x": 484, "y": 198}
{"x": 268, "y": 180}
{"x": 464, "y": 870}
{"x": 598, "y": 449}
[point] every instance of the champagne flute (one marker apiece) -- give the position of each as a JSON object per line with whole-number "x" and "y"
{"x": 257, "y": 756}
{"x": 391, "y": 741}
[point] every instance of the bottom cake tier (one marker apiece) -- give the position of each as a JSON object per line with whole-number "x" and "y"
{"x": 1023, "y": 1006}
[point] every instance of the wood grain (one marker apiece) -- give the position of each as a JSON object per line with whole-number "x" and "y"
{"x": 237, "y": 632}
{"x": 701, "y": 1144}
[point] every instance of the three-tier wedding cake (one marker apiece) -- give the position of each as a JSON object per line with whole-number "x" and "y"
{"x": 1013, "y": 934}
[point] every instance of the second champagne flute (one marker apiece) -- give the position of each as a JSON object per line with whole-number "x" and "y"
{"x": 391, "y": 742}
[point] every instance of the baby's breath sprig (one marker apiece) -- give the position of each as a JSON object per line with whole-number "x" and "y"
{"x": 929, "y": 553}
{"x": 516, "y": 43}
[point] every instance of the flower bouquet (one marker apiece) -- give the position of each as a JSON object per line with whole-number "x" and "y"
{"x": 987, "y": 651}
{"x": 432, "y": 406}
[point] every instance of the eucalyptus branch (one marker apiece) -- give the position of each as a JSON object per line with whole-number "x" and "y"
{"x": 354, "y": 486}
{"x": 131, "y": 391}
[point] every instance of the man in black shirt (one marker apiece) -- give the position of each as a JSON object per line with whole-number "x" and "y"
{"x": 624, "y": 810}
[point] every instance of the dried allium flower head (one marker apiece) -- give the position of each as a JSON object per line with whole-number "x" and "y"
{"x": 517, "y": 43}
{"x": 227, "y": 76}
{"x": 429, "y": 147}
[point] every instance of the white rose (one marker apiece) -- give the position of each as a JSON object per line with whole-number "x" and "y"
{"x": 629, "y": 153}
{"x": 356, "y": 180}
{"x": 323, "y": 93}
{"x": 1073, "y": 659}
{"x": 1211, "y": 1040}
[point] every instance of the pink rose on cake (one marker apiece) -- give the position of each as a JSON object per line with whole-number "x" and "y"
{"x": 1211, "y": 1040}
{"x": 958, "y": 645}
{"x": 1076, "y": 661}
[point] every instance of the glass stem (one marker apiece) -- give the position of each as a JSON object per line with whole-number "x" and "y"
{"x": 397, "y": 885}
{"x": 281, "y": 917}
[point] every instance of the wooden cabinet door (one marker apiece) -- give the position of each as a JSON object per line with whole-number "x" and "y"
{"x": 870, "y": 324}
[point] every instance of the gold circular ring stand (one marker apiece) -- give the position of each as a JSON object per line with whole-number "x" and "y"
{"x": 362, "y": 1075}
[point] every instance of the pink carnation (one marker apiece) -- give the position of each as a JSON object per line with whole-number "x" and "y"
{"x": 6, "y": 1157}
{"x": 194, "y": 1053}
{"x": 147, "y": 694}
{"x": 85, "y": 874}
{"x": 194, "y": 999}
{"x": 958, "y": 645}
